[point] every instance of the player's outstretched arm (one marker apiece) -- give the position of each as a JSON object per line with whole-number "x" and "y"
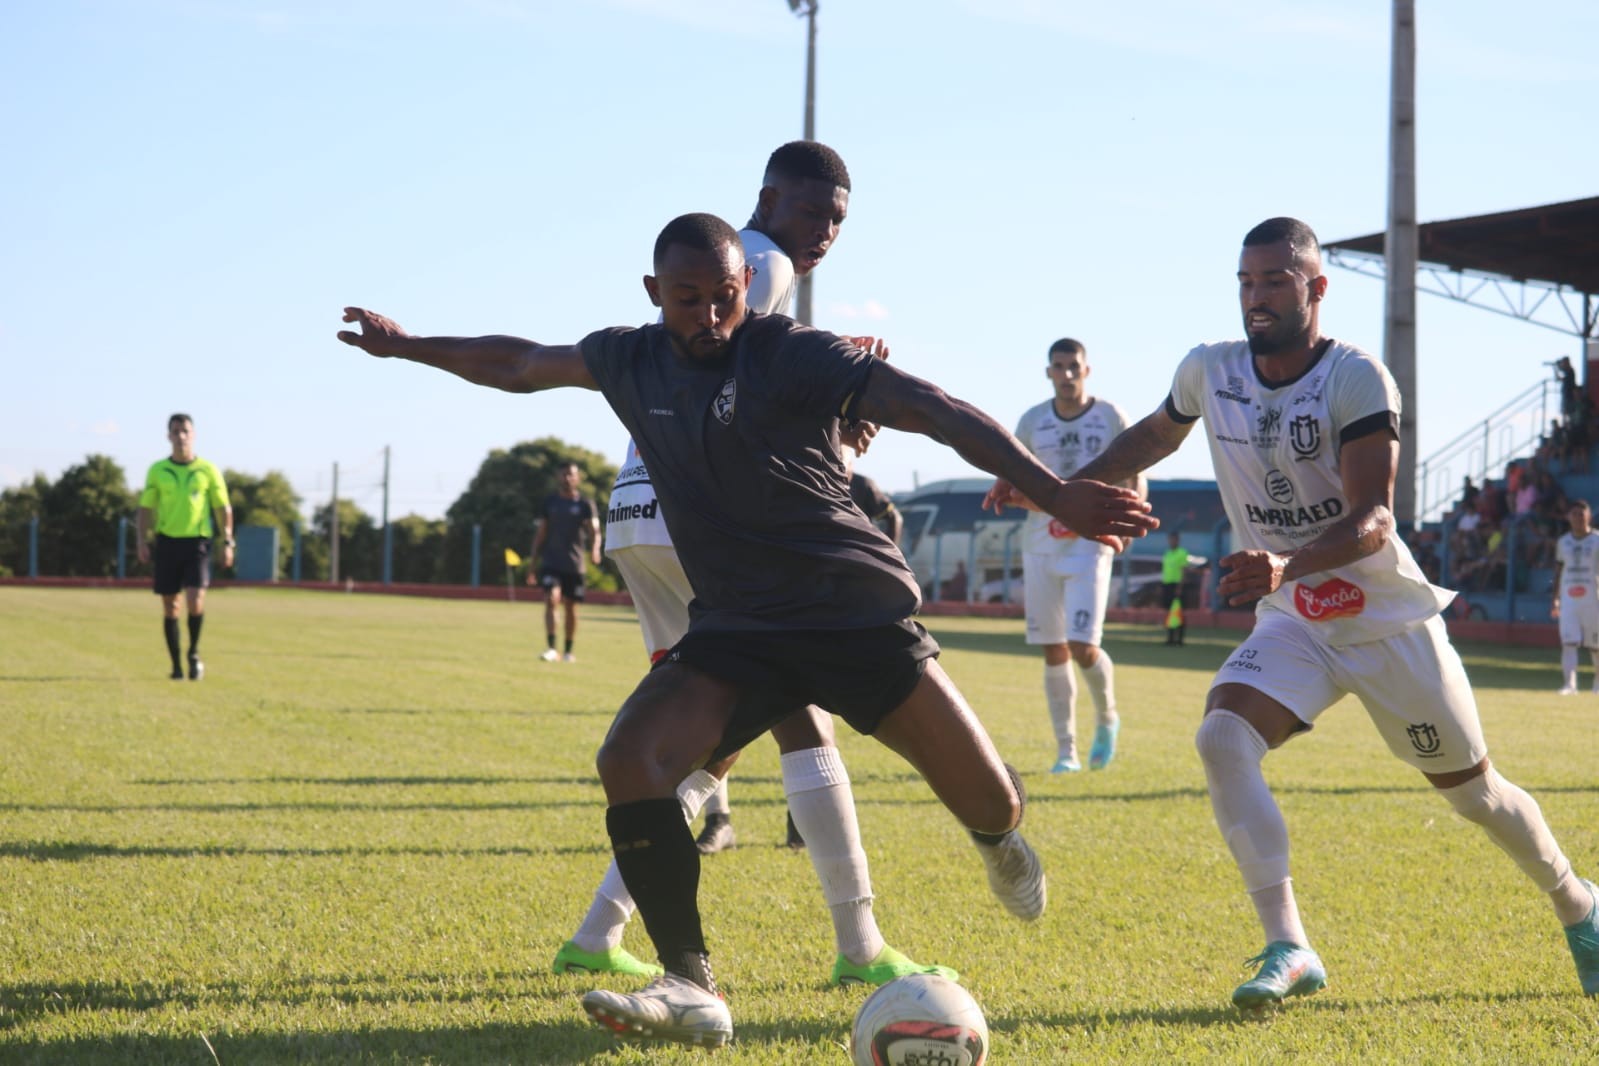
{"x": 1137, "y": 448}
{"x": 499, "y": 362}
{"x": 897, "y": 399}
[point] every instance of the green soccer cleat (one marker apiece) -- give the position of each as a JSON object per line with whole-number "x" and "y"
{"x": 888, "y": 965}
{"x": 1286, "y": 969}
{"x": 573, "y": 959}
{"x": 1104, "y": 749}
{"x": 1583, "y": 939}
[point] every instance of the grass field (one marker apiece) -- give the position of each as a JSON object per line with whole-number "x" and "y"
{"x": 361, "y": 838}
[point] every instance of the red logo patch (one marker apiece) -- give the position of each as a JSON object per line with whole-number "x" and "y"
{"x": 1576, "y": 592}
{"x": 1059, "y": 531}
{"x": 1331, "y": 599}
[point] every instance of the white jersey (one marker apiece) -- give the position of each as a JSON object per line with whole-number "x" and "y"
{"x": 1577, "y": 559}
{"x": 1275, "y": 449}
{"x": 1065, "y": 445}
{"x": 634, "y": 516}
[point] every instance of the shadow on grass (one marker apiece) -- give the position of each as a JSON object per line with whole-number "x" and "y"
{"x": 425, "y": 780}
{"x": 82, "y": 851}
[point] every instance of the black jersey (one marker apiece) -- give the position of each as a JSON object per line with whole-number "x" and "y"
{"x": 744, "y": 454}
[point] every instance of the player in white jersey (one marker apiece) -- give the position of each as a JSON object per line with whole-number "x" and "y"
{"x": 1576, "y": 598}
{"x": 1303, "y": 433}
{"x": 802, "y": 203}
{"x": 1067, "y": 576}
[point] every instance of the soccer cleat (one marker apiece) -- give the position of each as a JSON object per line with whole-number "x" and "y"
{"x": 1066, "y": 765}
{"x": 1583, "y": 939}
{"x": 888, "y": 965}
{"x": 1015, "y": 876}
{"x": 573, "y": 959}
{"x": 177, "y": 672}
{"x": 1286, "y": 969}
{"x": 196, "y": 668}
{"x": 1104, "y": 749}
{"x": 550, "y": 655}
{"x": 569, "y": 657}
{"x": 1567, "y": 690}
{"x": 715, "y": 835}
{"x": 669, "y": 1008}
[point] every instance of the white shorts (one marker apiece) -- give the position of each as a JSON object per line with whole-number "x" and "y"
{"x": 1579, "y": 621}
{"x": 1065, "y": 596}
{"x": 660, "y": 592}
{"x": 1412, "y": 684}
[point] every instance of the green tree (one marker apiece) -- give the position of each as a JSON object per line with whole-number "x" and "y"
{"x": 360, "y": 544}
{"x": 18, "y": 508}
{"x": 504, "y": 498}
{"x": 78, "y": 528}
{"x": 266, "y": 501}
{"x": 418, "y": 546}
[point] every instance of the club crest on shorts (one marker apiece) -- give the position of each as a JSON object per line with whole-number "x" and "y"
{"x": 1424, "y": 738}
{"x": 723, "y": 404}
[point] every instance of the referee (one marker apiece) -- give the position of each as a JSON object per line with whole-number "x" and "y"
{"x": 185, "y": 500}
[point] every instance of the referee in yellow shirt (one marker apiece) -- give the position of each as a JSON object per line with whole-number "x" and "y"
{"x": 184, "y": 503}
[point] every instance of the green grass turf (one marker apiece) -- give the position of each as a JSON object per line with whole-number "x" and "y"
{"x": 361, "y": 838}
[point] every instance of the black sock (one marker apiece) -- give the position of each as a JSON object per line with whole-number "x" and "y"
{"x": 569, "y": 645}
{"x": 551, "y": 638}
{"x": 170, "y": 627}
{"x": 195, "y": 622}
{"x": 656, "y": 857}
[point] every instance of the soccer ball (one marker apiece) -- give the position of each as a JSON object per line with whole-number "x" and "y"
{"x": 919, "y": 1020}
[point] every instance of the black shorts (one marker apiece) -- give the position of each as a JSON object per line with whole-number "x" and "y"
{"x": 1169, "y": 594}
{"x": 571, "y": 584}
{"x": 858, "y": 674}
{"x": 181, "y": 563}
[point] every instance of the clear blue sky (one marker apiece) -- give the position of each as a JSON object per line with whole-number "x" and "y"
{"x": 194, "y": 188}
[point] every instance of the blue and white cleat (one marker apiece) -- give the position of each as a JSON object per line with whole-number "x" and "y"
{"x": 1583, "y": 939}
{"x": 1104, "y": 749}
{"x": 1066, "y": 765}
{"x": 1286, "y": 969}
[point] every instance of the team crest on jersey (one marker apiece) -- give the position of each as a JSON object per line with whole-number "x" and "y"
{"x": 1278, "y": 487}
{"x": 723, "y": 404}
{"x": 1304, "y": 434}
{"x": 1268, "y": 424}
{"x": 1329, "y": 600}
{"x": 1094, "y": 442}
{"x": 1424, "y": 738}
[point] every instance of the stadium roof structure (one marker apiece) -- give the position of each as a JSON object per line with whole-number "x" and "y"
{"x": 1538, "y": 264}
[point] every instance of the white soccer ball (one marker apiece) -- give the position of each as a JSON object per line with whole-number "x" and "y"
{"x": 917, "y": 1020}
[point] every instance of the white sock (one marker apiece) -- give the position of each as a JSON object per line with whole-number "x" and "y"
{"x": 1250, "y": 820}
{"x": 823, "y": 805}
{"x": 602, "y": 927}
{"x": 1513, "y": 820}
{"x": 1060, "y": 694}
{"x": 1100, "y": 680}
{"x": 717, "y": 804}
{"x": 1568, "y": 665}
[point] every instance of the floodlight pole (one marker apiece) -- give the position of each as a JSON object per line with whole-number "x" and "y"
{"x": 807, "y": 9}
{"x": 1401, "y": 251}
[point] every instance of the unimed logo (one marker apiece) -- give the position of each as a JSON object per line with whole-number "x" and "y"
{"x": 1331, "y": 599}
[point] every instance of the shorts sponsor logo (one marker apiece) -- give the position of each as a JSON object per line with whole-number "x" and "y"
{"x": 1330, "y": 599}
{"x": 723, "y": 404}
{"x": 624, "y": 512}
{"x": 1424, "y": 738}
{"x": 1060, "y": 531}
{"x": 1080, "y": 620}
{"x": 1244, "y": 660}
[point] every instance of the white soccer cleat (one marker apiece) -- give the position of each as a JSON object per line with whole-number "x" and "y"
{"x": 1569, "y": 690}
{"x": 668, "y": 1008}
{"x": 550, "y": 655}
{"x": 1015, "y": 876}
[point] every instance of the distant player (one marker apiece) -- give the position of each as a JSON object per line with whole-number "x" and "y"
{"x": 568, "y": 533}
{"x": 797, "y": 597}
{"x": 184, "y": 504}
{"x": 1304, "y": 436}
{"x": 1068, "y": 577}
{"x": 1173, "y": 566}
{"x": 1576, "y": 599}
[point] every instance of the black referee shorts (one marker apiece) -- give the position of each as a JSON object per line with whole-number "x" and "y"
{"x": 180, "y": 563}
{"x": 858, "y": 674}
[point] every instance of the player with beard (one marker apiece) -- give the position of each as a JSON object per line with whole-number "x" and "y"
{"x": 801, "y": 205}
{"x": 1304, "y": 435}
{"x": 798, "y": 597}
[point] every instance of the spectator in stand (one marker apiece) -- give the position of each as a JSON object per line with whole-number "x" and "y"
{"x": 1579, "y": 436}
{"x": 1424, "y": 546}
{"x": 1566, "y": 374}
{"x": 1491, "y": 504}
{"x": 1468, "y": 495}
